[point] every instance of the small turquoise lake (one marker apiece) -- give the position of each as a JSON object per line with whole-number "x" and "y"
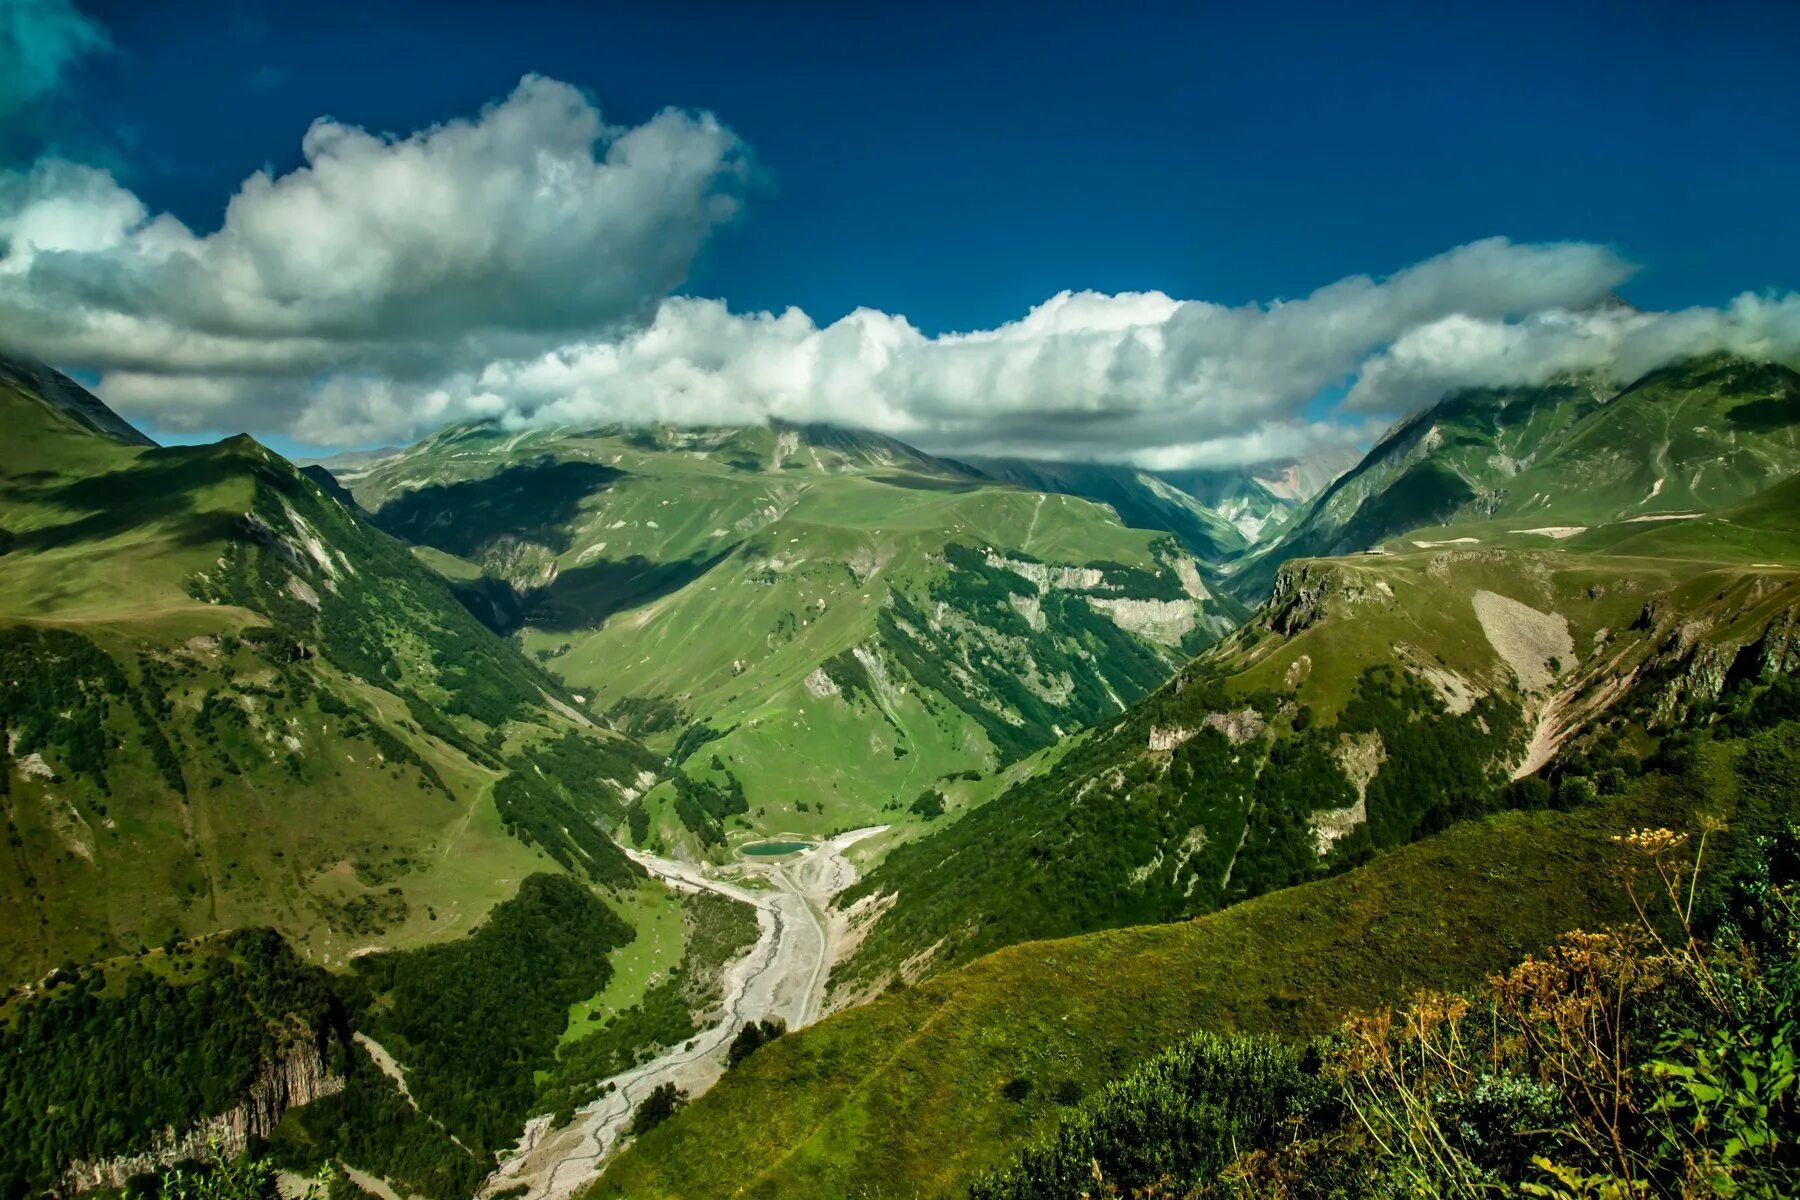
{"x": 771, "y": 849}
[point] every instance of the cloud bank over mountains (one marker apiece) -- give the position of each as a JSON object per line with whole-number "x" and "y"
{"x": 523, "y": 266}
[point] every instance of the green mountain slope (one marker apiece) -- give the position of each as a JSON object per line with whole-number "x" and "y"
{"x": 1141, "y": 499}
{"x": 228, "y": 701}
{"x": 922, "y": 1090}
{"x": 1371, "y": 701}
{"x": 1217, "y": 514}
{"x": 837, "y": 618}
{"x": 1547, "y": 460}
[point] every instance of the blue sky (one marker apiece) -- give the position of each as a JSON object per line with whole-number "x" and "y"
{"x": 960, "y": 167}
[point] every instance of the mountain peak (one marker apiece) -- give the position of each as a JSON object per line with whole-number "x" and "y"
{"x": 59, "y": 391}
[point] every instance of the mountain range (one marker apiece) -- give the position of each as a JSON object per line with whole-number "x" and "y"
{"x": 1145, "y": 754}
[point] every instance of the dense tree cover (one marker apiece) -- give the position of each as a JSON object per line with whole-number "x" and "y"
{"x": 104, "y": 1060}
{"x": 692, "y": 738}
{"x": 752, "y": 1037}
{"x": 1440, "y": 766}
{"x": 1436, "y": 767}
{"x": 928, "y": 804}
{"x": 558, "y": 796}
{"x": 372, "y": 1126}
{"x": 56, "y": 689}
{"x": 851, "y": 676}
{"x": 584, "y": 763}
{"x": 151, "y": 705}
{"x": 663, "y": 1102}
{"x": 703, "y": 806}
{"x": 638, "y": 715}
{"x": 475, "y": 1018}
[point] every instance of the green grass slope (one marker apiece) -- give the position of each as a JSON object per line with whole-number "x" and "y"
{"x": 838, "y": 619}
{"x": 922, "y": 1090}
{"x": 1687, "y": 438}
{"x": 1373, "y": 700}
{"x": 228, "y": 701}
{"x": 1142, "y": 500}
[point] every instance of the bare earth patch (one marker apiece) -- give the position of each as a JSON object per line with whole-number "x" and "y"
{"x": 1529, "y": 641}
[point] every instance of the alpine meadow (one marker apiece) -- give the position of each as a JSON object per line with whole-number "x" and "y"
{"x": 697, "y": 603}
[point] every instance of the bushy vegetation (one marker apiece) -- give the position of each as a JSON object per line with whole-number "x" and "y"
{"x": 717, "y": 931}
{"x": 476, "y": 1017}
{"x": 1658, "y": 1058}
{"x": 1181, "y": 1116}
{"x": 102, "y": 1061}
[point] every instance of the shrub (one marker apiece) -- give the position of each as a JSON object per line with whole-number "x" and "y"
{"x": 663, "y": 1102}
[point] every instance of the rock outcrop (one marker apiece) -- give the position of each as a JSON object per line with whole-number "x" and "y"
{"x": 296, "y": 1077}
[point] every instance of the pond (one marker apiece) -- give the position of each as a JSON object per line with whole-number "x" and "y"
{"x": 771, "y": 849}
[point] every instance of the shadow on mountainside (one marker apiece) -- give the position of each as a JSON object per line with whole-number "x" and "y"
{"x": 537, "y": 501}
{"x": 583, "y": 598}
{"x": 161, "y": 486}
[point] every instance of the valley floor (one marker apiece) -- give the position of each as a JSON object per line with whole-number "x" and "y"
{"x": 783, "y": 976}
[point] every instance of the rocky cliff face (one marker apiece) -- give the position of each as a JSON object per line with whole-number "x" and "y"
{"x": 1698, "y": 671}
{"x": 296, "y": 1077}
{"x": 1303, "y": 592}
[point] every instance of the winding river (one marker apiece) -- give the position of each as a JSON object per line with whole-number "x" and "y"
{"x": 783, "y": 975}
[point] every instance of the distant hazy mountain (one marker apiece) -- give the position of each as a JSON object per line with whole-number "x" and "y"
{"x": 1216, "y": 514}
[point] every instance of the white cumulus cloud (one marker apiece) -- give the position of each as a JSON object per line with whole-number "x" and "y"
{"x": 522, "y": 265}
{"x": 1133, "y": 377}
{"x": 471, "y": 239}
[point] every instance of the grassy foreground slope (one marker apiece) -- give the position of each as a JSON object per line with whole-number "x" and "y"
{"x": 227, "y": 701}
{"x": 920, "y": 1091}
{"x": 838, "y": 618}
